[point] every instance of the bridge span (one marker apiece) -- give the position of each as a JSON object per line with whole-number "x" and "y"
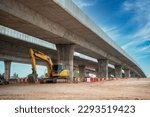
{"x": 62, "y": 23}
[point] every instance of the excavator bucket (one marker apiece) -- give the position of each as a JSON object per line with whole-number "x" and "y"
{"x": 32, "y": 78}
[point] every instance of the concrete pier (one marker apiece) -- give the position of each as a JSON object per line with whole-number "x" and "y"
{"x": 103, "y": 68}
{"x": 127, "y": 73}
{"x": 118, "y": 71}
{"x": 132, "y": 75}
{"x": 82, "y": 71}
{"x": 7, "y": 65}
{"x": 65, "y": 55}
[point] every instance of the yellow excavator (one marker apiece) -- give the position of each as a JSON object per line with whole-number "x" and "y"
{"x": 54, "y": 71}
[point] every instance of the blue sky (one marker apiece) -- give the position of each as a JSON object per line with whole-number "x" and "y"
{"x": 127, "y": 22}
{"x": 23, "y": 69}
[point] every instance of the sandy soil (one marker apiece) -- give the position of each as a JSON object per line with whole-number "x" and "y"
{"x": 126, "y": 89}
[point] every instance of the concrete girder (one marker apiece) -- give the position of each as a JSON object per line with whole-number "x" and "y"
{"x": 18, "y": 59}
{"x": 26, "y": 14}
{"x": 12, "y": 50}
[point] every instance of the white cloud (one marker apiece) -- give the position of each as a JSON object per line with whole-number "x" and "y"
{"x": 143, "y": 57}
{"x": 112, "y": 31}
{"x": 85, "y": 3}
{"x": 129, "y": 44}
{"x": 144, "y": 32}
{"x": 145, "y": 49}
{"x": 141, "y": 17}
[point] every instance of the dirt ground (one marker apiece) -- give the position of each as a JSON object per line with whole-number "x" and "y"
{"x": 127, "y": 89}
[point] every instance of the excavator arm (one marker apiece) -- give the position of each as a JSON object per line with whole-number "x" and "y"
{"x": 53, "y": 71}
{"x": 34, "y": 54}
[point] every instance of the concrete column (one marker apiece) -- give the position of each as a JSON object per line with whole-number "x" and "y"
{"x": 96, "y": 73}
{"x": 132, "y": 75}
{"x": 136, "y": 76}
{"x": 7, "y": 69}
{"x": 87, "y": 74}
{"x": 123, "y": 75}
{"x": 118, "y": 71}
{"x": 65, "y": 55}
{"x": 81, "y": 71}
{"x": 127, "y": 73}
{"x": 109, "y": 74}
{"x": 103, "y": 68}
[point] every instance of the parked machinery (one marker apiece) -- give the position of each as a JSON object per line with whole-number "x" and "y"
{"x": 54, "y": 71}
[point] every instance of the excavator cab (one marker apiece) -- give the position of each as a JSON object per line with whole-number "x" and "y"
{"x": 59, "y": 70}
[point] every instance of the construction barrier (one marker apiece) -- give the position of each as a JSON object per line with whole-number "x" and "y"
{"x": 18, "y": 80}
{"x": 103, "y": 79}
{"x": 84, "y": 79}
{"x": 88, "y": 80}
{"x": 75, "y": 80}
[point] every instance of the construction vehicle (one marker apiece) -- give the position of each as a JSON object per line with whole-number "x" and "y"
{"x": 54, "y": 71}
{"x": 3, "y": 81}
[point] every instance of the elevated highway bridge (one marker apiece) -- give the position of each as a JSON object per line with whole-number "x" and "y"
{"x": 62, "y": 23}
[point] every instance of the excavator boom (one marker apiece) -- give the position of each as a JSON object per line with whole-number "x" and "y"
{"x": 37, "y": 54}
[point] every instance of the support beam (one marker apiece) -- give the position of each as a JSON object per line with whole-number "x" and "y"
{"x": 118, "y": 71}
{"x": 103, "y": 68}
{"x": 7, "y": 69}
{"x": 127, "y": 73}
{"x": 65, "y": 55}
{"x": 81, "y": 71}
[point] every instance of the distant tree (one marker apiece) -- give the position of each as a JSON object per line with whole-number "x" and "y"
{"x": 15, "y": 75}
